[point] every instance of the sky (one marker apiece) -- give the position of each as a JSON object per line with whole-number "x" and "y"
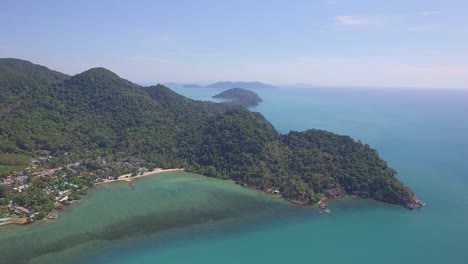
{"x": 377, "y": 43}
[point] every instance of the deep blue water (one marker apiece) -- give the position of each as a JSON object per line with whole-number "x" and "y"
{"x": 423, "y": 134}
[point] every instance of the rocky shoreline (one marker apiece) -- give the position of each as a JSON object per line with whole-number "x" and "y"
{"x": 330, "y": 195}
{"x": 415, "y": 202}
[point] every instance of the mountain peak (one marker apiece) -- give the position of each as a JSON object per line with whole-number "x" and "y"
{"x": 13, "y": 69}
{"x": 14, "y": 61}
{"x": 100, "y": 77}
{"x": 98, "y": 72}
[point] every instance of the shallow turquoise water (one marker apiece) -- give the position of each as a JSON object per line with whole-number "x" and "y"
{"x": 186, "y": 218}
{"x": 163, "y": 209}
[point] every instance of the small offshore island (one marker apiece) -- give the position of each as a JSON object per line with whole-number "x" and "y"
{"x": 61, "y": 134}
{"x": 239, "y": 96}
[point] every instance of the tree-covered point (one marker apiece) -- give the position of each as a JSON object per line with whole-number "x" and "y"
{"x": 239, "y": 96}
{"x": 96, "y": 115}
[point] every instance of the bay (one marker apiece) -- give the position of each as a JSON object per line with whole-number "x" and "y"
{"x": 163, "y": 207}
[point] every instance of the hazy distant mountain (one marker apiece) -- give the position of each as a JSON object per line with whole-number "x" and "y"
{"x": 191, "y": 85}
{"x": 181, "y": 85}
{"x": 243, "y": 85}
{"x": 222, "y": 85}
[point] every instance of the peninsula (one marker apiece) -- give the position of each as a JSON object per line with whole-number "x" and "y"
{"x": 61, "y": 134}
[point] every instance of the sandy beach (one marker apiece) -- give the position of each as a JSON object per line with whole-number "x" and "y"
{"x": 127, "y": 177}
{"x": 16, "y": 221}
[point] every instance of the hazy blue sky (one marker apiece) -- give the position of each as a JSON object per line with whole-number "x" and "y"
{"x": 416, "y": 43}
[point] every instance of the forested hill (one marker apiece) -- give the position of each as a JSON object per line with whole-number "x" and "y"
{"x": 97, "y": 114}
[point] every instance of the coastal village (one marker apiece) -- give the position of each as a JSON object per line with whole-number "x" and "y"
{"x": 39, "y": 190}
{"x": 35, "y": 192}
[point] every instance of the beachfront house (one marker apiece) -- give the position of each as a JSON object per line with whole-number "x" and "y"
{"x": 21, "y": 179}
{"x": 21, "y": 210}
{"x": 21, "y": 188}
{"x": 8, "y": 182}
{"x": 76, "y": 164}
{"x": 63, "y": 192}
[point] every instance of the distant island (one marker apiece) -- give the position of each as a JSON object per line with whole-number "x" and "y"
{"x": 61, "y": 134}
{"x": 240, "y": 96}
{"x": 243, "y": 85}
{"x": 191, "y": 85}
{"x": 224, "y": 85}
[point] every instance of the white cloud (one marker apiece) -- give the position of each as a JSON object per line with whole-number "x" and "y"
{"x": 422, "y": 28}
{"x": 347, "y": 20}
{"x": 158, "y": 37}
{"x": 429, "y": 13}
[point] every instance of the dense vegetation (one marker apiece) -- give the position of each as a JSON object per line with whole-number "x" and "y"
{"x": 101, "y": 120}
{"x": 240, "y": 97}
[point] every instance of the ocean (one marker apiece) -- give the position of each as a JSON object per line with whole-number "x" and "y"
{"x": 188, "y": 218}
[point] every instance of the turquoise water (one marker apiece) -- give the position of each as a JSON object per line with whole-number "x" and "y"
{"x": 421, "y": 133}
{"x": 187, "y": 218}
{"x": 164, "y": 209}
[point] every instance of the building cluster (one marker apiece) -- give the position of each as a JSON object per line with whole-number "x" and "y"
{"x": 17, "y": 181}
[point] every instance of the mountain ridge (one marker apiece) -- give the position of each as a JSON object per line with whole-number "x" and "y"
{"x": 224, "y": 85}
{"x": 97, "y": 114}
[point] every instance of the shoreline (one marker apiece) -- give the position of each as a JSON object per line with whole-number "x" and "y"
{"x": 322, "y": 204}
{"x": 122, "y": 178}
{"x": 128, "y": 178}
{"x": 17, "y": 221}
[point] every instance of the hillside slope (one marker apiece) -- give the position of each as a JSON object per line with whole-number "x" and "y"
{"x": 97, "y": 114}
